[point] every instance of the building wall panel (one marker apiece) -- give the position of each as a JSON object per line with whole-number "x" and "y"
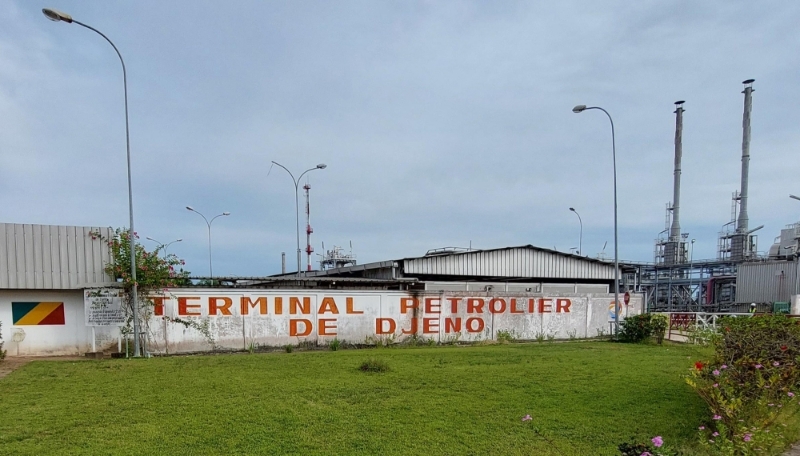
{"x": 48, "y": 257}
{"x": 766, "y": 282}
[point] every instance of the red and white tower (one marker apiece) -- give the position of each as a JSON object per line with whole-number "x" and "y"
{"x": 309, "y": 249}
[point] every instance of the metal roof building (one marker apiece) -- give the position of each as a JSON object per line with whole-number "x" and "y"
{"x": 50, "y": 257}
{"x": 525, "y": 263}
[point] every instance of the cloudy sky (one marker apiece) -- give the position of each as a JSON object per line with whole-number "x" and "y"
{"x": 441, "y": 123}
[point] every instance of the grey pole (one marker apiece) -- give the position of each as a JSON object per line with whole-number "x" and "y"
{"x": 208, "y": 223}
{"x": 580, "y": 238}
{"x": 691, "y": 275}
{"x": 297, "y": 205}
{"x": 578, "y": 109}
{"x": 57, "y": 16}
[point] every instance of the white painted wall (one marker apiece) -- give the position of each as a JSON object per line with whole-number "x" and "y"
{"x": 72, "y": 338}
{"x": 588, "y": 314}
{"x": 221, "y": 311}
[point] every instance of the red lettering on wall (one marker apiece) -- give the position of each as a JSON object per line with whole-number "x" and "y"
{"x": 433, "y": 305}
{"x": 214, "y": 307}
{"x": 413, "y": 329}
{"x": 475, "y": 305}
{"x": 475, "y": 325}
{"x": 294, "y": 331}
{"x": 494, "y": 308}
{"x": 350, "y": 309}
{"x": 245, "y": 303}
{"x": 379, "y": 325}
{"x": 430, "y": 326}
{"x": 452, "y": 325}
{"x": 278, "y": 306}
{"x": 454, "y": 304}
{"x": 328, "y": 306}
{"x": 158, "y": 306}
{"x": 531, "y": 305}
{"x": 324, "y": 328}
{"x": 295, "y": 305}
{"x": 184, "y": 307}
{"x": 512, "y": 307}
{"x": 562, "y": 305}
{"x": 408, "y": 303}
{"x": 545, "y": 308}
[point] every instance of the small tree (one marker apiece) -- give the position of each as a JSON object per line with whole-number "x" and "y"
{"x": 154, "y": 273}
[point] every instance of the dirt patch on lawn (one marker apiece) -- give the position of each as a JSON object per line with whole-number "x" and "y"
{"x": 10, "y": 364}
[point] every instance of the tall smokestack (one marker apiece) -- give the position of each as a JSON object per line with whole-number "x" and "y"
{"x": 675, "y": 229}
{"x": 741, "y": 224}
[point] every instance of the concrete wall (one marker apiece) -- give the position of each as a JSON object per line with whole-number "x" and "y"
{"x": 279, "y": 317}
{"x": 235, "y": 319}
{"x": 70, "y": 338}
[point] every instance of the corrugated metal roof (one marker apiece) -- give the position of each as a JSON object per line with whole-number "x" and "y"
{"x": 50, "y": 257}
{"x": 522, "y": 261}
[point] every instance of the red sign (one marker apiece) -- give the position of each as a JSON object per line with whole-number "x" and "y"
{"x": 627, "y": 298}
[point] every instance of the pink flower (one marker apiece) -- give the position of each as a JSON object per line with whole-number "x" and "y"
{"x": 724, "y": 366}
{"x": 747, "y": 437}
{"x": 702, "y": 428}
{"x": 657, "y": 441}
{"x": 791, "y": 394}
{"x": 758, "y": 366}
{"x": 771, "y": 405}
{"x": 776, "y": 364}
{"x": 716, "y": 373}
{"x": 717, "y": 417}
{"x": 716, "y": 385}
{"x": 646, "y": 453}
{"x": 715, "y": 434}
{"x": 526, "y": 418}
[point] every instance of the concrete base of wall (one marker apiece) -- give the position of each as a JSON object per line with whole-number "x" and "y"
{"x": 94, "y": 355}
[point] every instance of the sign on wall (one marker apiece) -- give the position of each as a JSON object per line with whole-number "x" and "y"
{"x": 37, "y": 313}
{"x": 103, "y": 308}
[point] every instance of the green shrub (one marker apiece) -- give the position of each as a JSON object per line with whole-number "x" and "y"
{"x": 658, "y": 324}
{"x": 750, "y": 384}
{"x": 335, "y": 344}
{"x": 636, "y": 328}
{"x": 289, "y": 348}
{"x": 374, "y": 365}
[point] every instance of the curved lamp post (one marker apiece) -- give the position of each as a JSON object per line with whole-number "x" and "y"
{"x": 161, "y": 244}
{"x": 576, "y": 110}
{"x": 58, "y": 16}
{"x": 580, "y": 239}
{"x": 208, "y": 223}
{"x": 297, "y": 204}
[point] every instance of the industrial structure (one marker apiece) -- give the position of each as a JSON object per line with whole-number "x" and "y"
{"x": 738, "y": 276}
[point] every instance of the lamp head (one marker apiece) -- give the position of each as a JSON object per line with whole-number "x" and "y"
{"x": 56, "y": 16}
{"x": 322, "y": 166}
{"x": 572, "y": 209}
{"x": 189, "y": 208}
{"x": 579, "y": 108}
{"x": 150, "y": 239}
{"x": 226, "y": 213}
{"x": 178, "y": 240}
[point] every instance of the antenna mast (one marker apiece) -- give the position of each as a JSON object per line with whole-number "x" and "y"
{"x": 309, "y": 249}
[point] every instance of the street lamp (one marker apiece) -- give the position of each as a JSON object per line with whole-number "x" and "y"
{"x": 297, "y": 204}
{"x": 578, "y": 109}
{"x": 580, "y": 239}
{"x": 794, "y": 197}
{"x": 691, "y": 274}
{"x": 58, "y": 16}
{"x": 161, "y": 244}
{"x": 208, "y": 223}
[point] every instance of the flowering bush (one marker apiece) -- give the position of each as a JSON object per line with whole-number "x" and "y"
{"x": 2, "y": 352}
{"x": 655, "y": 447}
{"x": 659, "y": 323}
{"x": 750, "y": 384}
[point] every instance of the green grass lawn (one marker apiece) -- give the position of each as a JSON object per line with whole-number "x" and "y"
{"x": 584, "y": 397}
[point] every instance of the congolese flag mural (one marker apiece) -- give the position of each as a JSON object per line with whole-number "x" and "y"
{"x": 37, "y": 313}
